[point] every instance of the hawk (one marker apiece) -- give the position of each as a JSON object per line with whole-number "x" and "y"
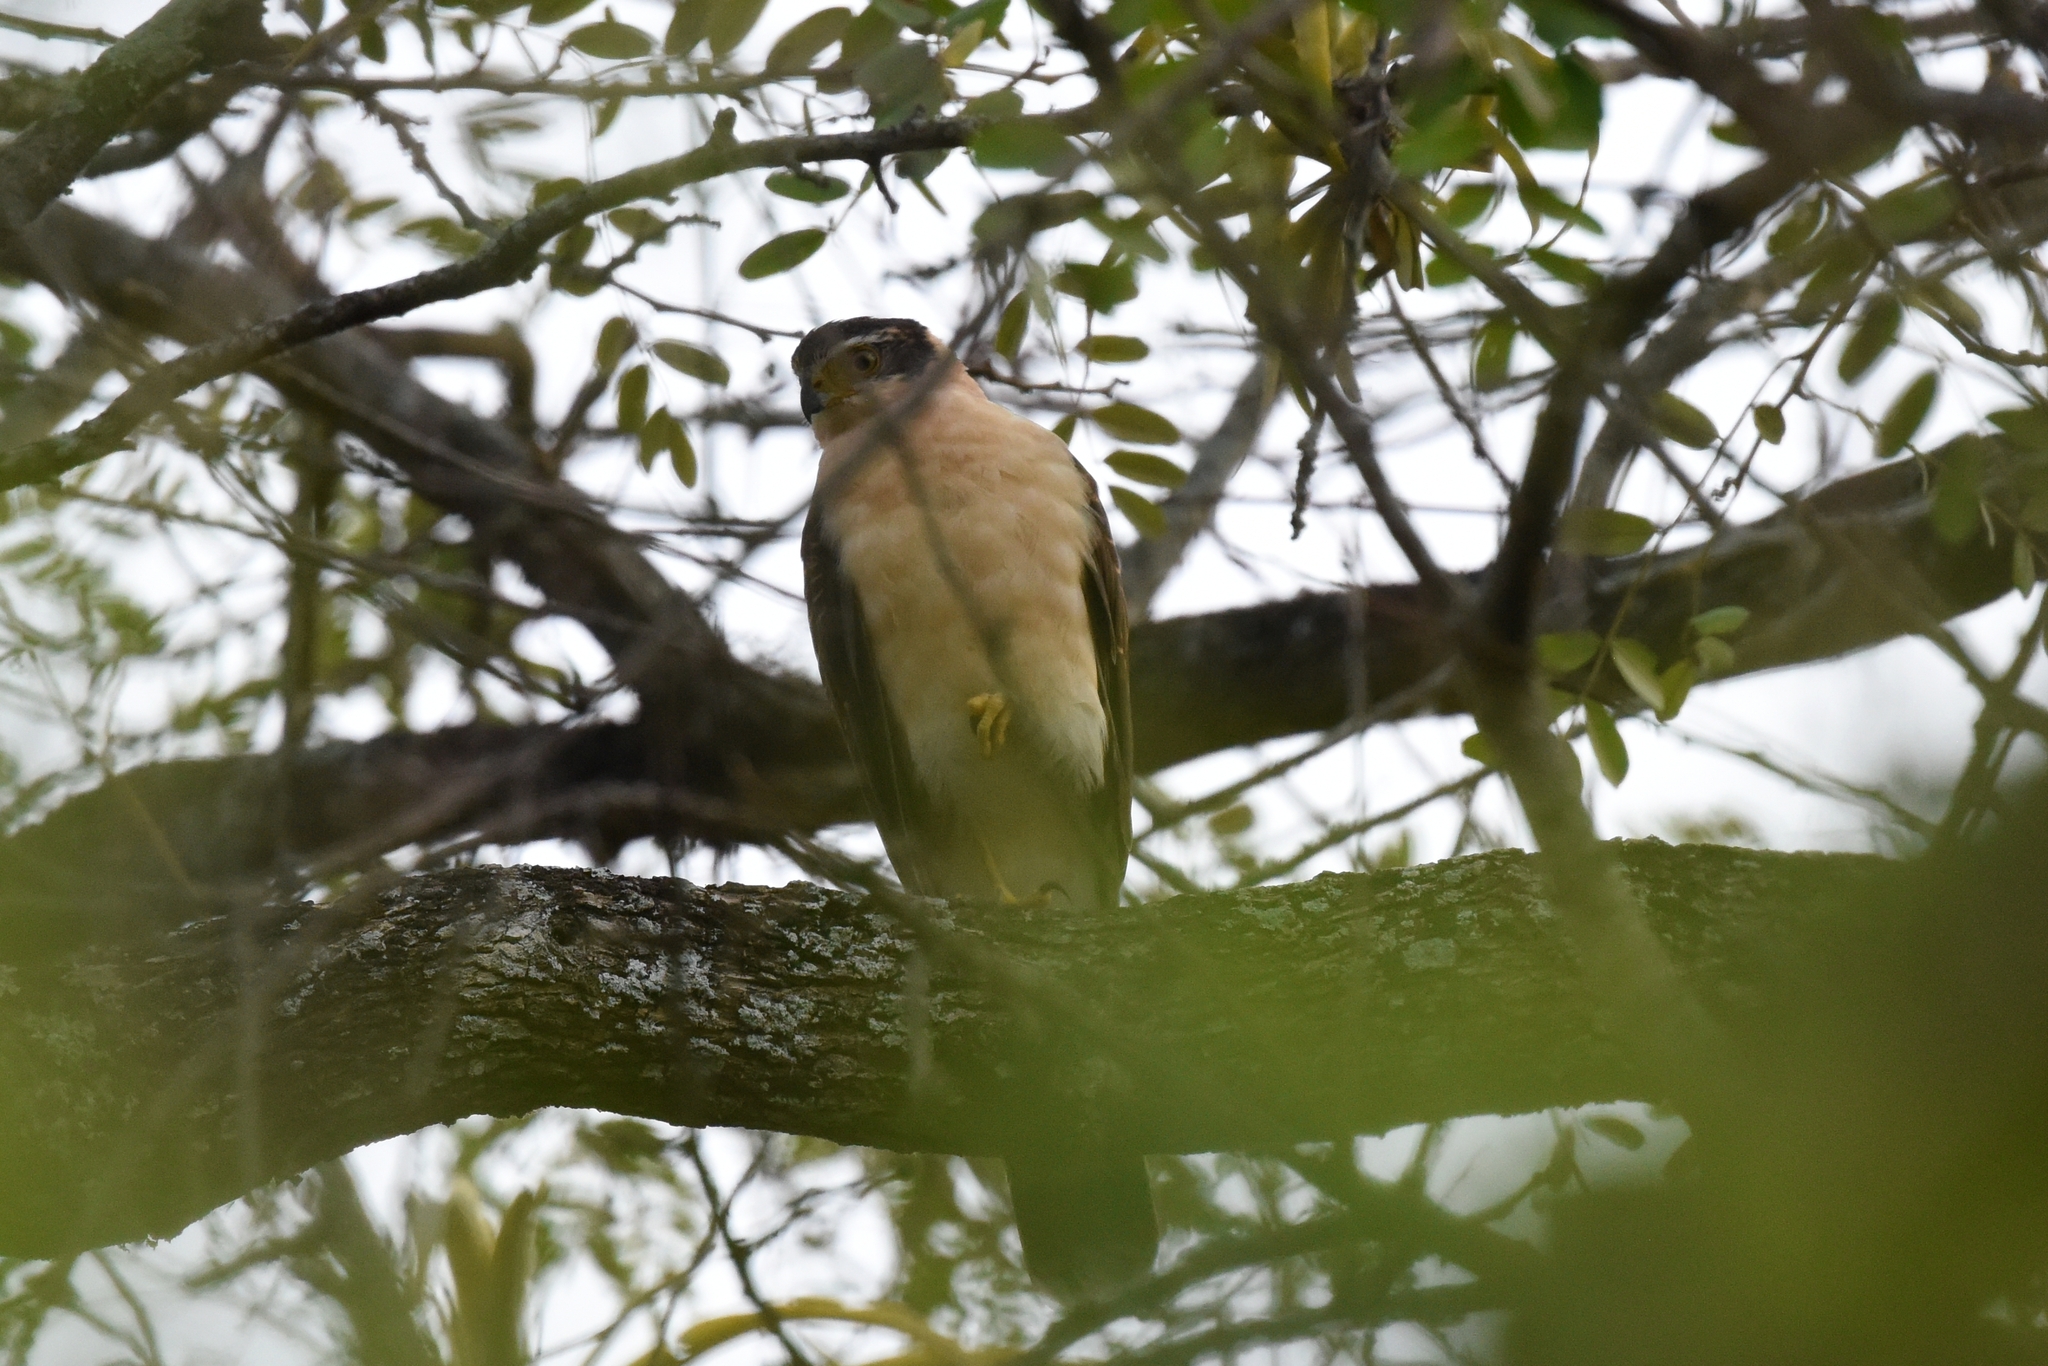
{"x": 970, "y": 627}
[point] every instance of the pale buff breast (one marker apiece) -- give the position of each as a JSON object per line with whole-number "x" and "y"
{"x": 1007, "y": 503}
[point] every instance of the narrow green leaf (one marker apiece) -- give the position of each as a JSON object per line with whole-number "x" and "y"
{"x": 782, "y": 253}
{"x": 809, "y": 187}
{"x": 633, "y": 399}
{"x": 1492, "y": 350}
{"x": 1874, "y": 335}
{"x": 682, "y": 456}
{"x": 1010, "y": 327}
{"x": 611, "y": 40}
{"x": 1064, "y": 428}
{"x": 1637, "y": 665}
{"x": 1561, "y": 652}
{"x": 1143, "y": 467}
{"x": 1608, "y": 748}
{"x": 800, "y": 45}
{"x": 1104, "y": 349}
{"x": 1141, "y": 426}
{"x": 694, "y": 361}
{"x": 1677, "y": 683}
{"x": 1142, "y": 512}
{"x": 1679, "y": 421}
{"x": 1019, "y": 146}
{"x": 1602, "y": 531}
{"x": 612, "y": 341}
{"x": 2025, "y": 572}
{"x": 638, "y": 223}
{"x": 542, "y": 12}
{"x": 1619, "y": 1132}
{"x": 1912, "y": 211}
{"x": 1720, "y": 621}
{"x": 1798, "y": 226}
{"x": 1955, "y": 515}
{"x": 1770, "y": 422}
{"x": 1902, "y": 421}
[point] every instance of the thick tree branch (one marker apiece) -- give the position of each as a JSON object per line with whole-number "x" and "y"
{"x": 180, "y": 38}
{"x": 1343, "y": 1005}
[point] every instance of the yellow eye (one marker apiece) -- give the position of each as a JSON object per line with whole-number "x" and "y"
{"x": 865, "y": 361}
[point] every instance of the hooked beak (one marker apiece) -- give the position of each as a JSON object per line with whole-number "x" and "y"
{"x": 809, "y": 399}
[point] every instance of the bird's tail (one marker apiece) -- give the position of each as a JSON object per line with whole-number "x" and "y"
{"x": 1085, "y": 1218}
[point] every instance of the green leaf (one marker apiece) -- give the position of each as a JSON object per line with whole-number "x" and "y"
{"x": 1936, "y": 296}
{"x": 1716, "y": 656}
{"x": 1469, "y": 202}
{"x": 444, "y": 234}
{"x": 1140, "y": 511}
{"x": 1874, "y": 335}
{"x": 1619, "y": 1132}
{"x": 801, "y": 43}
{"x": 1143, "y": 467}
{"x": 2025, "y": 572}
{"x": 1141, "y": 426}
{"x": 1955, "y": 515}
{"x": 1798, "y": 227}
{"x": 782, "y": 253}
{"x": 1543, "y": 202}
{"x": 1012, "y": 221}
{"x": 1602, "y": 531}
{"x": 899, "y": 81}
{"x": 542, "y": 12}
{"x": 731, "y": 21}
{"x": 638, "y": 223}
{"x": 1679, "y": 421}
{"x": 1569, "y": 269}
{"x": 1637, "y": 665}
{"x": 682, "y": 456}
{"x": 1608, "y": 748}
{"x": 1104, "y": 349}
{"x": 686, "y": 28}
{"x": 1231, "y": 820}
{"x": 809, "y": 187}
{"x": 1102, "y": 288}
{"x": 1480, "y": 750}
{"x": 1064, "y": 428}
{"x": 633, "y": 399}
{"x": 612, "y": 341}
{"x": 1770, "y": 422}
{"x": 1561, "y": 652}
{"x": 1720, "y": 621}
{"x": 611, "y": 40}
{"x": 1019, "y": 146}
{"x": 2026, "y": 428}
{"x": 1453, "y": 138}
{"x": 1677, "y": 683}
{"x": 1912, "y": 212}
{"x": 694, "y": 361}
{"x": 1492, "y": 350}
{"x": 1572, "y": 121}
{"x": 1902, "y": 421}
{"x": 1010, "y": 327}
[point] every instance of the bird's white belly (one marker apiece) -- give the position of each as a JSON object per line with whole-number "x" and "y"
{"x": 970, "y": 580}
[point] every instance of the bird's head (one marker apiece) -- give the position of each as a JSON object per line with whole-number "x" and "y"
{"x": 857, "y": 365}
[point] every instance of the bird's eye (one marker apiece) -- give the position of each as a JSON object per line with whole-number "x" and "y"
{"x": 865, "y": 361}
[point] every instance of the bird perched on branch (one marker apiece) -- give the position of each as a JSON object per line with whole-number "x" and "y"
{"x": 970, "y": 627}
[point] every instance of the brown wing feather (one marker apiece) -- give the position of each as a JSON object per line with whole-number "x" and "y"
{"x": 1108, "y": 620}
{"x": 846, "y": 661}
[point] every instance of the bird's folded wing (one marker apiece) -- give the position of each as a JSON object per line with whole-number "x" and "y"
{"x": 1102, "y": 585}
{"x": 846, "y": 660}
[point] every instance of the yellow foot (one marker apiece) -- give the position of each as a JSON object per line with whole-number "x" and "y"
{"x": 991, "y": 713}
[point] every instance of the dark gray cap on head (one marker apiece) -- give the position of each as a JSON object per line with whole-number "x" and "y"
{"x": 905, "y": 346}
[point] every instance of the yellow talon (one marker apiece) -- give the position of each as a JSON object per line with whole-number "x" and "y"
{"x": 991, "y": 713}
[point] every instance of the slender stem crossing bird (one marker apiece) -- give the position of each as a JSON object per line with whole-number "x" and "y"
{"x": 970, "y": 627}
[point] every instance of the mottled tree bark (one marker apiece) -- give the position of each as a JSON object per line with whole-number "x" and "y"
{"x": 151, "y": 1079}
